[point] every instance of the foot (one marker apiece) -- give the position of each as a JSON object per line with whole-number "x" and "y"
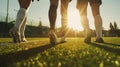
{"x": 63, "y": 40}
{"x": 99, "y": 40}
{"x": 15, "y": 35}
{"x": 23, "y": 39}
{"x": 53, "y": 37}
{"x": 88, "y": 37}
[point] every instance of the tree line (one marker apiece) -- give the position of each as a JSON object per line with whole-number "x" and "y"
{"x": 43, "y": 31}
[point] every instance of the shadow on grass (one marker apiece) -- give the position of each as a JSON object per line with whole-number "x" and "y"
{"x": 22, "y": 55}
{"x": 111, "y": 44}
{"x": 114, "y": 48}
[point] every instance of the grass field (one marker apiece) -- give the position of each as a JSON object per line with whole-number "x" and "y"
{"x": 37, "y": 52}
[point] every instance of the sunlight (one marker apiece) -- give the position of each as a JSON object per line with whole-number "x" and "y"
{"x": 74, "y": 20}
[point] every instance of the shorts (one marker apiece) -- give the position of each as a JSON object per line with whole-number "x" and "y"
{"x": 55, "y": 2}
{"x": 80, "y": 2}
{"x": 24, "y": 3}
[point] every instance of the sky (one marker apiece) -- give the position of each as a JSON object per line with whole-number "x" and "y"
{"x": 110, "y": 12}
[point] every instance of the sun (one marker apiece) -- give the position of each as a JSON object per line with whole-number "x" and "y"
{"x": 74, "y": 20}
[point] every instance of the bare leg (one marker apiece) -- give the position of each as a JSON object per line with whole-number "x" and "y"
{"x": 64, "y": 18}
{"x": 52, "y": 16}
{"x": 97, "y": 21}
{"x": 82, "y": 7}
{"x": 52, "y": 19}
{"x": 15, "y": 31}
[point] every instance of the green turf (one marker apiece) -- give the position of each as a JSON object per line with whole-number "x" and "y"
{"x": 74, "y": 53}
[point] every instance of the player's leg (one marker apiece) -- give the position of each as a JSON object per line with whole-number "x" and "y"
{"x": 15, "y": 31}
{"x": 22, "y": 30}
{"x": 64, "y": 18}
{"x": 95, "y": 6}
{"x": 82, "y": 7}
{"x": 26, "y": 5}
{"x": 52, "y": 19}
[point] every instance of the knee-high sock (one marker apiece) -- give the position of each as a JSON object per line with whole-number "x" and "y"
{"x": 52, "y": 16}
{"x": 20, "y": 18}
{"x": 85, "y": 24}
{"x": 22, "y": 29}
{"x": 98, "y": 26}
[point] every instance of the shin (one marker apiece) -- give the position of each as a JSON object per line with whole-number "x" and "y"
{"x": 98, "y": 26}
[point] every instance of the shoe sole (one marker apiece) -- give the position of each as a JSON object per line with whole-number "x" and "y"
{"x": 99, "y": 42}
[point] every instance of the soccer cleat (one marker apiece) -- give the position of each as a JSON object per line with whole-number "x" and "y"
{"x": 88, "y": 37}
{"x": 23, "y": 39}
{"x": 63, "y": 39}
{"x": 99, "y": 40}
{"x": 15, "y": 35}
{"x": 53, "y": 37}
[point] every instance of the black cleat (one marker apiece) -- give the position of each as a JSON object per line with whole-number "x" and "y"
{"x": 15, "y": 35}
{"x": 88, "y": 38}
{"x": 100, "y": 40}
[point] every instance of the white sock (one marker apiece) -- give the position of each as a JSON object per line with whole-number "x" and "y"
{"x": 98, "y": 26}
{"x": 22, "y": 29}
{"x": 20, "y": 18}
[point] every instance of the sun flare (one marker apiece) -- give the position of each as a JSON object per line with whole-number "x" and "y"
{"x": 74, "y": 20}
